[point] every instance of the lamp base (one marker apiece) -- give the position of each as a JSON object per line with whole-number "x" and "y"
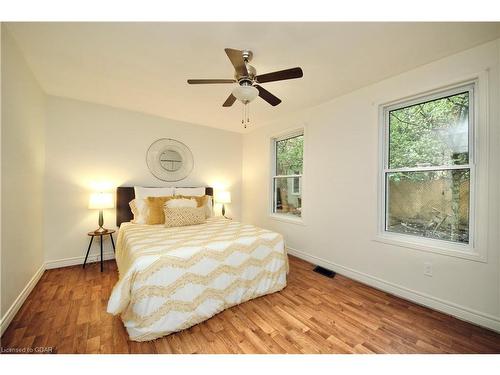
{"x": 224, "y": 212}
{"x": 101, "y": 230}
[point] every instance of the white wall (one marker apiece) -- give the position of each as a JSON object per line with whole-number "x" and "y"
{"x": 340, "y": 192}
{"x": 23, "y": 122}
{"x": 89, "y": 143}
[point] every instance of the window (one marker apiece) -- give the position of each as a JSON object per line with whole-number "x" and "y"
{"x": 287, "y": 177}
{"x": 428, "y": 166}
{"x": 296, "y": 185}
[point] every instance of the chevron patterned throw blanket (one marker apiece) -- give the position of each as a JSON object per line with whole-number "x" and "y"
{"x": 174, "y": 278}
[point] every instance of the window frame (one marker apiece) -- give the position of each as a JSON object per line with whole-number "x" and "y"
{"x": 446, "y": 247}
{"x": 273, "y": 176}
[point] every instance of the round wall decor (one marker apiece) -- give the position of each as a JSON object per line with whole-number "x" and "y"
{"x": 169, "y": 160}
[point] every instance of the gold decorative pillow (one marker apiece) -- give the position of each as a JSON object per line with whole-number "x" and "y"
{"x": 182, "y": 216}
{"x": 202, "y": 202}
{"x": 155, "y": 210}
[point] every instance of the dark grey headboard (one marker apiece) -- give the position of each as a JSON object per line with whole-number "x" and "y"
{"x": 124, "y": 194}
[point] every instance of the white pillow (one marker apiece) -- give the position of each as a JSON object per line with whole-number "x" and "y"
{"x": 197, "y": 192}
{"x": 194, "y": 192}
{"x": 144, "y": 192}
{"x": 181, "y": 203}
{"x": 140, "y": 210}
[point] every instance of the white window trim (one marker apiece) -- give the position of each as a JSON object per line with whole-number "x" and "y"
{"x": 466, "y": 251}
{"x": 286, "y": 218}
{"x": 290, "y": 133}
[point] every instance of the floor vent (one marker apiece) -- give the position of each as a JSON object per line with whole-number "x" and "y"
{"x": 324, "y": 272}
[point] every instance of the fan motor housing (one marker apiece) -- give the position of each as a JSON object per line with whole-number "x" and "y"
{"x": 252, "y": 73}
{"x": 245, "y": 82}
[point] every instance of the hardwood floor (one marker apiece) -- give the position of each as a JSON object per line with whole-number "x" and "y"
{"x": 313, "y": 314}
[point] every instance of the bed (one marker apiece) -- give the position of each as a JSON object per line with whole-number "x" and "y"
{"x": 173, "y": 278}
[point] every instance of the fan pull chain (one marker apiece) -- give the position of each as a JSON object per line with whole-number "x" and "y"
{"x": 245, "y": 115}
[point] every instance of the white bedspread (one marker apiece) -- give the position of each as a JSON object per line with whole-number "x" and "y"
{"x": 174, "y": 278}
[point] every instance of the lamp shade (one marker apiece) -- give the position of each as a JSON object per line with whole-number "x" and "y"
{"x": 223, "y": 197}
{"x": 245, "y": 93}
{"x": 101, "y": 200}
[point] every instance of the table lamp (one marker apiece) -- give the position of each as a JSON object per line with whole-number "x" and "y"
{"x": 223, "y": 197}
{"x": 101, "y": 201}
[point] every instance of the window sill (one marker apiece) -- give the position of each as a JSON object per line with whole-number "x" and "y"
{"x": 431, "y": 246}
{"x": 287, "y": 219}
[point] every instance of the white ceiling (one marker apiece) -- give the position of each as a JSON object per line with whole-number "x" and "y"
{"x": 144, "y": 66}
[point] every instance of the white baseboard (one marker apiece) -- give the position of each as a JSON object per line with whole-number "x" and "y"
{"x": 14, "y": 308}
{"x": 460, "y": 312}
{"x": 66, "y": 262}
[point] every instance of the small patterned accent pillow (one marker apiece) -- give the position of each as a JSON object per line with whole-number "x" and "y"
{"x": 182, "y": 216}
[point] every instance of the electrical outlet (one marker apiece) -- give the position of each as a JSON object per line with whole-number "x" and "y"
{"x": 428, "y": 269}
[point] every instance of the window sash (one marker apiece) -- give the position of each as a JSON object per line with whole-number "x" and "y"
{"x": 385, "y": 170}
{"x": 386, "y": 204}
{"x": 274, "y": 194}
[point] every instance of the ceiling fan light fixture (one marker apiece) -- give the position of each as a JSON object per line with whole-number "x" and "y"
{"x": 245, "y": 94}
{"x": 249, "y": 82}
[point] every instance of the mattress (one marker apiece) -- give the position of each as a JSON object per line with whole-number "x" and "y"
{"x": 173, "y": 278}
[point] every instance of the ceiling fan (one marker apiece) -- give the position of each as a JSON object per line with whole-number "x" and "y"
{"x": 248, "y": 80}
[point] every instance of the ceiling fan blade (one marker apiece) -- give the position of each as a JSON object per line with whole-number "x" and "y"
{"x": 280, "y": 75}
{"x": 229, "y": 101}
{"x": 236, "y": 57}
{"x": 267, "y": 96}
{"x": 208, "y": 81}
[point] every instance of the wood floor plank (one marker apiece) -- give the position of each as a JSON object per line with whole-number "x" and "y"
{"x": 313, "y": 314}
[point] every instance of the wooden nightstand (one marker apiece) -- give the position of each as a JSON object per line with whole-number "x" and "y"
{"x": 99, "y": 234}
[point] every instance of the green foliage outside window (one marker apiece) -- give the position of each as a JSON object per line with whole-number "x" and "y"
{"x": 289, "y": 156}
{"x": 434, "y": 133}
